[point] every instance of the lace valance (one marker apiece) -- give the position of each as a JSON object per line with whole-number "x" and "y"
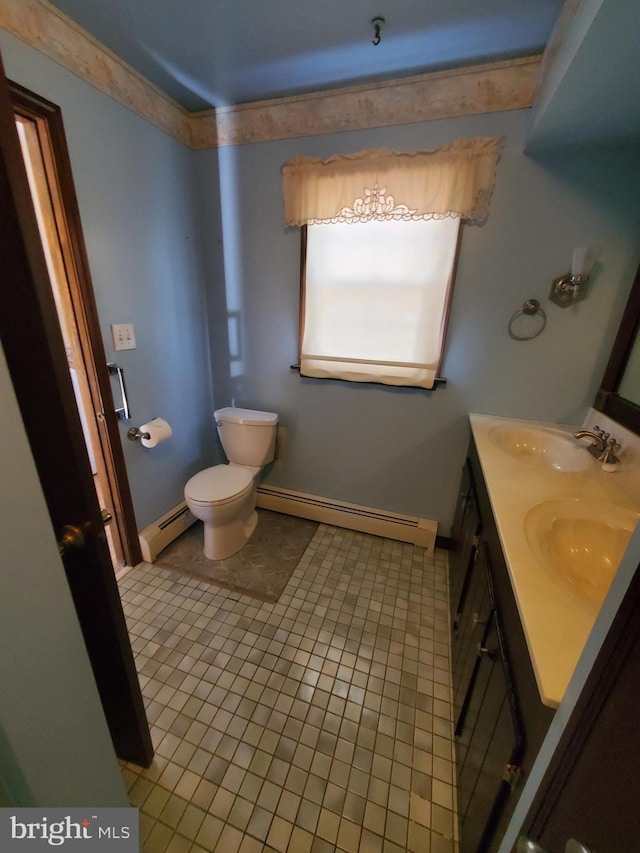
{"x": 455, "y": 180}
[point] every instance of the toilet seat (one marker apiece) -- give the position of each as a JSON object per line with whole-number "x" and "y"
{"x": 219, "y": 485}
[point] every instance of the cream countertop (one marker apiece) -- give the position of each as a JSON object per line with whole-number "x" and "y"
{"x": 556, "y": 623}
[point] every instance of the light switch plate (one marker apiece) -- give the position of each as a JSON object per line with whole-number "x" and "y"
{"x": 123, "y": 336}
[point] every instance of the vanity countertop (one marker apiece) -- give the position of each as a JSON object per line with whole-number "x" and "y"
{"x": 556, "y": 617}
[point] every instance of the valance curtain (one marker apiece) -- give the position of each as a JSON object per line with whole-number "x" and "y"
{"x": 455, "y": 180}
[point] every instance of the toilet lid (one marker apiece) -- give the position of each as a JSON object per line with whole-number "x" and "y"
{"x": 218, "y": 484}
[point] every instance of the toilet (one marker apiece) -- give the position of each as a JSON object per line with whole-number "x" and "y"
{"x": 224, "y": 497}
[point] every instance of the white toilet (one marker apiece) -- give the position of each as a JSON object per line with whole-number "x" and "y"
{"x": 224, "y": 497}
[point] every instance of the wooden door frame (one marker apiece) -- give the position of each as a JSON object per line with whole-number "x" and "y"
{"x": 45, "y": 113}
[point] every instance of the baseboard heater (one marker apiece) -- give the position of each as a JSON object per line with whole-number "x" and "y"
{"x": 403, "y": 528}
{"x": 157, "y": 535}
{"x": 391, "y": 525}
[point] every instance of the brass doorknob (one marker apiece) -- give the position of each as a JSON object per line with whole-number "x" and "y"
{"x": 72, "y": 537}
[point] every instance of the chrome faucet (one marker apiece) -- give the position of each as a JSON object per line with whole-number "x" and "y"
{"x": 602, "y": 446}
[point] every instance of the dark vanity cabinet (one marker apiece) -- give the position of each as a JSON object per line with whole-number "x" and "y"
{"x": 464, "y": 531}
{"x": 471, "y": 631}
{"x": 499, "y": 719}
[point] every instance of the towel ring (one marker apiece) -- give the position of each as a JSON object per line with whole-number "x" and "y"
{"x": 529, "y": 308}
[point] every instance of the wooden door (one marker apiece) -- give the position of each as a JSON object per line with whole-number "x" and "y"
{"x": 45, "y": 151}
{"x": 36, "y": 357}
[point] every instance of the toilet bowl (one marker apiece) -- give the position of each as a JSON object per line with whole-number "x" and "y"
{"x": 223, "y": 497}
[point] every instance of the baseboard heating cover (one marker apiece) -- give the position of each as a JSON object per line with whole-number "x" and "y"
{"x": 391, "y": 525}
{"x": 157, "y": 535}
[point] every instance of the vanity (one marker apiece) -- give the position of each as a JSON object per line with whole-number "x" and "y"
{"x": 539, "y": 531}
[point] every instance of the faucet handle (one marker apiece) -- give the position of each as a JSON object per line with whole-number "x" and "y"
{"x": 603, "y": 435}
{"x": 609, "y": 457}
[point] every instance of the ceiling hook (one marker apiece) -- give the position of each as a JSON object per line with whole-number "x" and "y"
{"x": 377, "y": 23}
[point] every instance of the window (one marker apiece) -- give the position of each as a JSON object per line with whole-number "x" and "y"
{"x": 376, "y": 298}
{"x": 380, "y": 243}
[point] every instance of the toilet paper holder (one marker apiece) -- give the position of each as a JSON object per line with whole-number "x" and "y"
{"x": 135, "y": 432}
{"x": 155, "y": 432}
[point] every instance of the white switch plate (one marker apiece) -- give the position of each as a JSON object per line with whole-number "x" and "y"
{"x": 123, "y": 336}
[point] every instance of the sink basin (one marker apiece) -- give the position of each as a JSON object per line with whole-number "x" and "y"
{"x": 580, "y": 543}
{"x": 542, "y": 448}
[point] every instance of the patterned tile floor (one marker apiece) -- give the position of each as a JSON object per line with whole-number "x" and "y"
{"x": 319, "y": 723}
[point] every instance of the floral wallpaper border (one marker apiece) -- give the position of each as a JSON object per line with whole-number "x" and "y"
{"x": 445, "y": 94}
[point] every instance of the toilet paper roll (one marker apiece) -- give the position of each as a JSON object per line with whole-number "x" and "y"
{"x": 159, "y": 431}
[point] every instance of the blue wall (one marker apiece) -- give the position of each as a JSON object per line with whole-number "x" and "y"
{"x": 191, "y": 248}
{"x": 402, "y": 449}
{"x": 55, "y": 747}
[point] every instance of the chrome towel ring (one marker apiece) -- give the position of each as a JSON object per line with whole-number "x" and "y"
{"x": 530, "y": 308}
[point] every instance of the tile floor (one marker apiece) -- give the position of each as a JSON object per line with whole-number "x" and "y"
{"x": 319, "y": 723}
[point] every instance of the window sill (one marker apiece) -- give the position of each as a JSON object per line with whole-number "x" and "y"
{"x": 438, "y": 382}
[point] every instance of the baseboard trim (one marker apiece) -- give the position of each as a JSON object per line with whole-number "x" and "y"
{"x": 403, "y": 528}
{"x": 157, "y": 535}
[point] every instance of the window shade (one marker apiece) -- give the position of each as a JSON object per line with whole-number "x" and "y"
{"x": 453, "y": 181}
{"x": 375, "y": 300}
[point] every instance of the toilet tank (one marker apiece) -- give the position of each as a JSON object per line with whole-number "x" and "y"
{"x": 248, "y": 436}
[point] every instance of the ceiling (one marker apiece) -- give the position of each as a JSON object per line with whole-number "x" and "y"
{"x": 212, "y": 53}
